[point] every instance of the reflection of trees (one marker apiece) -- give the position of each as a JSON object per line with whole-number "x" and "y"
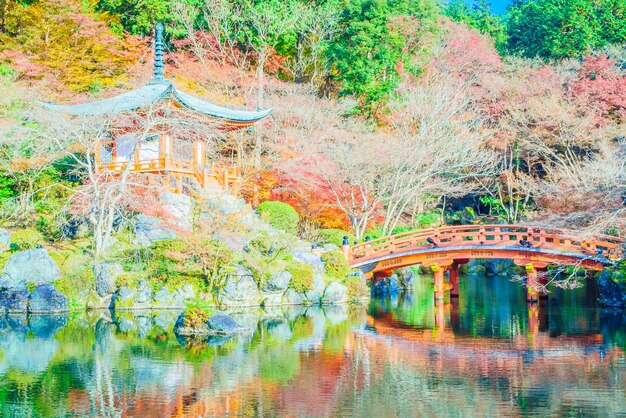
{"x": 321, "y": 362}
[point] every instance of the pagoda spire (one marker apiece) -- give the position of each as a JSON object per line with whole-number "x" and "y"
{"x": 159, "y": 74}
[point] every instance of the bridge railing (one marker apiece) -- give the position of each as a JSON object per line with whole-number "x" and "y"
{"x": 481, "y": 235}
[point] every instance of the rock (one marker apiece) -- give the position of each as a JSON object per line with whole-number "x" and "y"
{"x": 291, "y": 297}
{"x": 186, "y": 292}
{"x": 240, "y": 289}
{"x": 164, "y": 299}
{"x": 31, "y": 266}
{"x": 358, "y": 274}
{"x": 406, "y": 277}
{"x": 315, "y": 294}
{"x": 5, "y": 240}
{"x": 311, "y": 259}
{"x": 386, "y": 286}
{"x": 149, "y": 230}
{"x": 143, "y": 295}
{"x": 272, "y": 299}
{"x": 7, "y": 283}
{"x": 223, "y": 324}
{"x": 611, "y": 290}
{"x": 179, "y": 207}
{"x": 13, "y": 300}
{"x": 47, "y": 299}
{"x": 335, "y": 293}
{"x": 106, "y": 274}
{"x": 277, "y": 282}
{"x": 474, "y": 268}
{"x": 95, "y": 301}
{"x": 499, "y": 266}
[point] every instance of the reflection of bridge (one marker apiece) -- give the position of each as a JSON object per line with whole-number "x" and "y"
{"x": 448, "y": 247}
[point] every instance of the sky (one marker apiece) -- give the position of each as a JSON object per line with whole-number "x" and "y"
{"x": 498, "y": 6}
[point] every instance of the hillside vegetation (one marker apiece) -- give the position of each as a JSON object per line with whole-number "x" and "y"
{"x": 388, "y": 114}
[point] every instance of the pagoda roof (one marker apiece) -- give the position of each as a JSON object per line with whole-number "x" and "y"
{"x": 157, "y": 90}
{"x": 152, "y": 94}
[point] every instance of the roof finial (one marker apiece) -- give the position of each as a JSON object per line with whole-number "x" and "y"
{"x": 158, "y": 53}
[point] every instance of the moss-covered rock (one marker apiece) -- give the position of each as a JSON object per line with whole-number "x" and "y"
{"x": 336, "y": 264}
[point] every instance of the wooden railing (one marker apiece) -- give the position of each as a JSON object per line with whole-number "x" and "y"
{"x": 485, "y": 235}
{"x": 226, "y": 177}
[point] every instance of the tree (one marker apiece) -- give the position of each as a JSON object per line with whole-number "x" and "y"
{"x": 11, "y": 9}
{"x": 137, "y": 17}
{"x": 364, "y": 54}
{"x": 479, "y": 17}
{"x": 556, "y": 29}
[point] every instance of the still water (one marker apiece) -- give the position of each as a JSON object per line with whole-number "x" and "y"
{"x": 483, "y": 355}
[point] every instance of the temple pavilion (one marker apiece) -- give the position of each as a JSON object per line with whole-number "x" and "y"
{"x": 162, "y": 155}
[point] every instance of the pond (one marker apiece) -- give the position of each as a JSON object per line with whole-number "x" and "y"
{"x": 484, "y": 353}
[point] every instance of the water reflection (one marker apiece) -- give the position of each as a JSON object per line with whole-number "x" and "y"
{"x": 484, "y": 353}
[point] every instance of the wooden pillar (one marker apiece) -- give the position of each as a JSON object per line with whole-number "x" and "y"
{"x": 198, "y": 153}
{"x": 167, "y": 151}
{"x": 531, "y": 283}
{"x": 454, "y": 280}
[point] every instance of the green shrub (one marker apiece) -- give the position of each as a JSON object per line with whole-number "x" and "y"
{"x": 164, "y": 246}
{"x": 357, "y": 289}
{"x": 335, "y": 236}
{"x": 302, "y": 276}
{"x": 336, "y": 264}
{"x": 280, "y": 215}
{"x": 25, "y": 239}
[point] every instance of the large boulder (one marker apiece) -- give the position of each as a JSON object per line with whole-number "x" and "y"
{"x": 95, "y": 301}
{"x": 223, "y": 324}
{"x": 291, "y": 297}
{"x": 277, "y": 282}
{"x": 311, "y": 259}
{"x": 218, "y": 324}
{"x": 314, "y": 295}
{"x": 13, "y": 300}
{"x": 134, "y": 298}
{"x": 474, "y": 268}
{"x": 149, "y": 230}
{"x": 5, "y": 240}
{"x": 272, "y": 299}
{"x": 386, "y": 286}
{"x": 31, "y": 266}
{"x": 164, "y": 299}
{"x": 335, "y": 293}
{"x": 47, "y": 299}
{"x": 186, "y": 292}
{"x": 240, "y": 289}
{"x": 499, "y": 266}
{"x": 106, "y": 274}
{"x": 179, "y": 207}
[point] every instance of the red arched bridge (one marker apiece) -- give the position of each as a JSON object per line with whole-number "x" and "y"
{"x": 448, "y": 247}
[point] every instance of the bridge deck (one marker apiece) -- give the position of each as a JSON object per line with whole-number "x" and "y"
{"x": 521, "y": 243}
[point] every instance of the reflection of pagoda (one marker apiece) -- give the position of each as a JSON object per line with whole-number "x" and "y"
{"x": 161, "y": 154}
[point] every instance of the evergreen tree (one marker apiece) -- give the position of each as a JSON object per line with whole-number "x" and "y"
{"x": 556, "y": 29}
